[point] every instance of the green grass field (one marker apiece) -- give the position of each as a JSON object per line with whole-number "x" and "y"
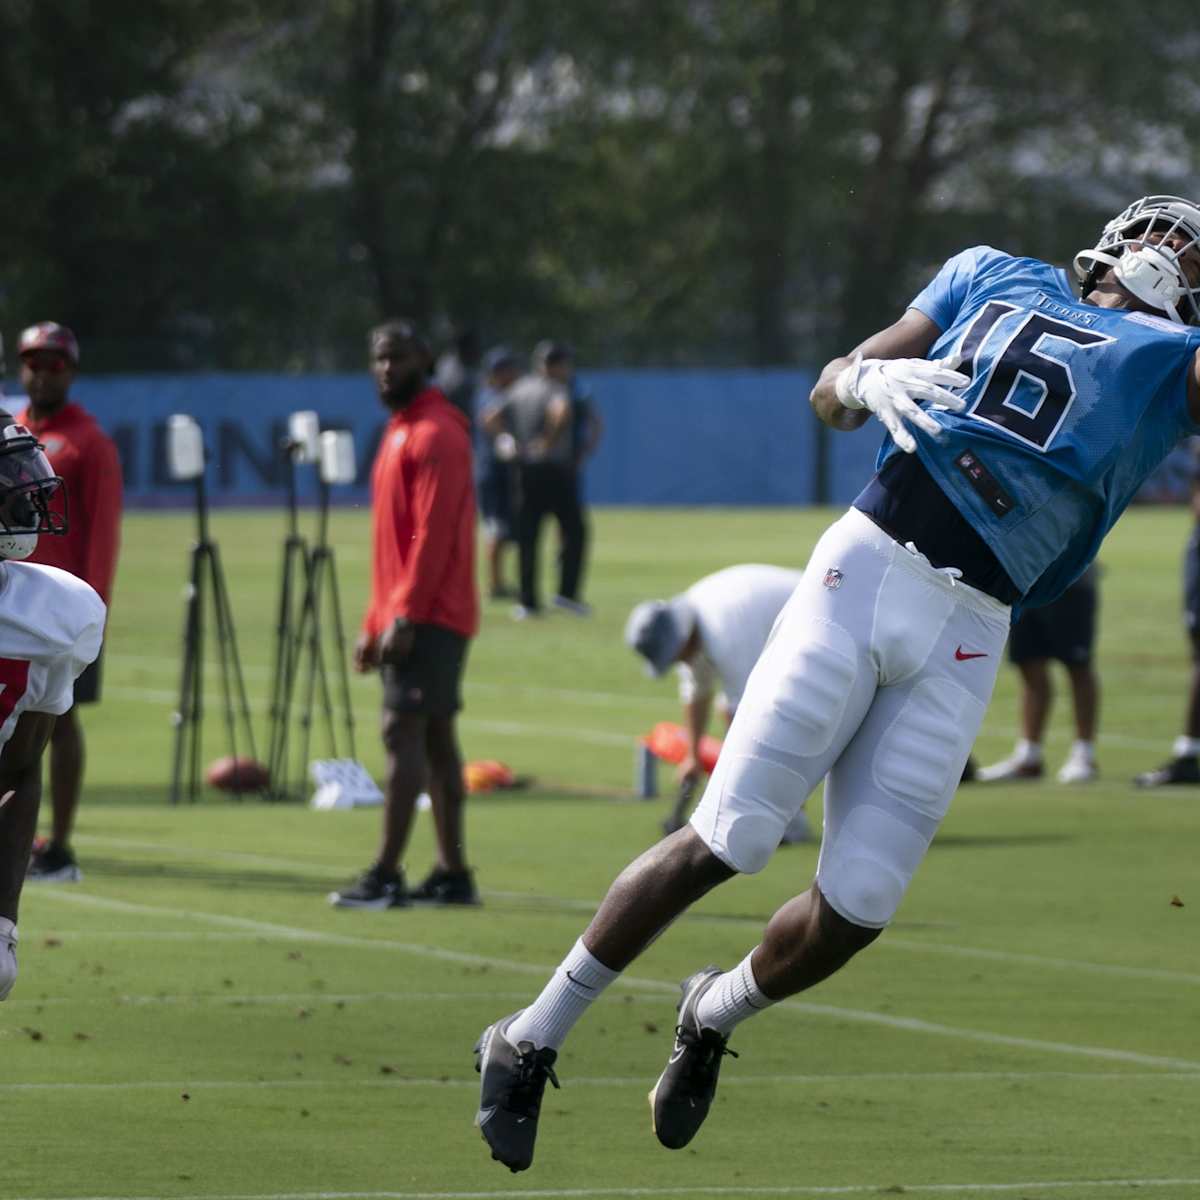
{"x": 193, "y": 1020}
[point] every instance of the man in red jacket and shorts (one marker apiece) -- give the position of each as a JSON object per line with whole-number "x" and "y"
{"x": 85, "y": 457}
{"x": 422, "y": 612}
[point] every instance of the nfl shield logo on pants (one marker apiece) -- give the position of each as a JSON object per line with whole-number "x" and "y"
{"x": 833, "y": 578}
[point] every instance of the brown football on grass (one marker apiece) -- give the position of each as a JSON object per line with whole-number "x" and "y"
{"x": 240, "y": 774}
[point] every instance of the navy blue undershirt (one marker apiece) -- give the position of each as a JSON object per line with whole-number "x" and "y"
{"x": 906, "y": 503}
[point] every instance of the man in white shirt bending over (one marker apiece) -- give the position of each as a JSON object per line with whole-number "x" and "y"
{"x": 712, "y": 634}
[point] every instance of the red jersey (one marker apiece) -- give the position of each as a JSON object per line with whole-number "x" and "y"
{"x": 86, "y": 458}
{"x": 423, "y": 518}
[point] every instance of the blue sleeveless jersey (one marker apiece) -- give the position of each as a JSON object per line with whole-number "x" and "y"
{"x": 1069, "y": 408}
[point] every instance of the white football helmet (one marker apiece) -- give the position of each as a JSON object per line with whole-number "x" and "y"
{"x": 1151, "y": 272}
{"x": 27, "y": 482}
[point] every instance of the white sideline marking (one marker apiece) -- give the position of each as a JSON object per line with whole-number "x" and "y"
{"x": 251, "y": 998}
{"x": 590, "y": 697}
{"x": 472, "y": 1084}
{"x": 540, "y": 730}
{"x": 854, "y": 1189}
{"x": 203, "y": 854}
{"x": 893, "y": 941}
{"x": 574, "y": 695}
{"x": 591, "y": 737}
{"x": 594, "y": 737}
{"x": 909, "y": 1024}
{"x": 1038, "y": 960}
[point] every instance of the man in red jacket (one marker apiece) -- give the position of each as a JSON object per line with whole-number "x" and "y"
{"x": 86, "y": 458}
{"x": 422, "y": 612}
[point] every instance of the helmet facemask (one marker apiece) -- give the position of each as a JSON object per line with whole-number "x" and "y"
{"x": 27, "y": 484}
{"x": 1151, "y": 271}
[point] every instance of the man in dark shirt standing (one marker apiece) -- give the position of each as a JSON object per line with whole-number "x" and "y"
{"x": 494, "y": 450}
{"x": 538, "y": 411}
{"x": 422, "y": 612}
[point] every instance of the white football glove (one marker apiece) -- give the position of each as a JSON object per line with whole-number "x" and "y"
{"x": 892, "y": 387}
{"x": 8, "y": 956}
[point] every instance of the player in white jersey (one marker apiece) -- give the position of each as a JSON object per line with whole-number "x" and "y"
{"x": 712, "y": 634}
{"x": 1022, "y": 417}
{"x": 51, "y": 624}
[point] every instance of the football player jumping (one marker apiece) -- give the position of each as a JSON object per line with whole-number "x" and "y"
{"x": 1021, "y": 419}
{"x": 51, "y": 624}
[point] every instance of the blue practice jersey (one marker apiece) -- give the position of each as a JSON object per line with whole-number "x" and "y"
{"x": 1069, "y": 408}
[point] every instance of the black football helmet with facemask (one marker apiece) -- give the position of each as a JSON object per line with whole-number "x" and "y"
{"x": 27, "y": 483}
{"x": 1151, "y": 271}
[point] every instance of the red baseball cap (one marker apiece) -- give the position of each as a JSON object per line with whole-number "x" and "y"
{"x": 49, "y": 335}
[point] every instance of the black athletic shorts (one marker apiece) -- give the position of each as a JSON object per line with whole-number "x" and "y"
{"x": 1065, "y": 630}
{"x": 429, "y": 680}
{"x": 87, "y": 686}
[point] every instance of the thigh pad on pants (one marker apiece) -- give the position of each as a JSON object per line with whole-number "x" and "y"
{"x": 780, "y": 745}
{"x": 799, "y": 692}
{"x": 920, "y": 757}
{"x": 867, "y": 869}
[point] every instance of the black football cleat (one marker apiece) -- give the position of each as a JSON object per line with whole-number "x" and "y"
{"x": 1184, "y": 769}
{"x": 52, "y": 863}
{"x": 375, "y": 888}
{"x": 512, "y": 1080}
{"x": 445, "y": 888}
{"x": 684, "y": 1092}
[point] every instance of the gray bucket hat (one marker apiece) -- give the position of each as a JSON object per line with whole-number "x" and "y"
{"x": 658, "y": 630}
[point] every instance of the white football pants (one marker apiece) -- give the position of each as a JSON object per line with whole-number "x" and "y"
{"x": 875, "y": 678}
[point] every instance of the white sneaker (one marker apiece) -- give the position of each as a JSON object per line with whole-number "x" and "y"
{"x": 522, "y": 612}
{"x": 798, "y": 830}
{"x": 1008, "y": 771}
{"x": 577, "y": 608}
{"x": 1078, "y": 770}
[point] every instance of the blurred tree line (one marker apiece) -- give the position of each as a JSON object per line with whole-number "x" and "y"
{"x": 227, "y": 184}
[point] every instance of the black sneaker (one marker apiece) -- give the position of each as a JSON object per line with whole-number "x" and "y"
{"x": 1185, "y": 769}
{"x": 681, "y": 1097}
{"x": 52, "y": 863}
{"x": 444, "y": 887}
{"x": 512, "y": 1080}
{"x": 374, "y": 888}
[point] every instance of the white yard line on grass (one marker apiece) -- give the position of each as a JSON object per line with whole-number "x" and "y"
{"x": 908, "y": 1024}
{"x": 207, "y": 854}
{"x": 586, "y": 696}
{"x": 580, "y": 696}
{"x": 539, "y": 730}
{"x": 251, "y": 998}
{"x": 188, "y": 1084}
{"x": 799, "y": 1190}
{"x": 893, "y": 941}
{"x": 1039, "y": 960}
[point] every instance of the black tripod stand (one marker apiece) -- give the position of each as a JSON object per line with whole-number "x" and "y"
{"x": 293, "y": 584}
{"x": 206, "y": 578}
{"x": 320, "y": 611}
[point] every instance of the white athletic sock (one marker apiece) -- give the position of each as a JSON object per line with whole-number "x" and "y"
{"x": 578, "y": 980}
{"x": 1083, "y": 750}
{"x": 1027, "y": 751}
{"x": 731, "y": 999}
{"x": 1186, "y": 747}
